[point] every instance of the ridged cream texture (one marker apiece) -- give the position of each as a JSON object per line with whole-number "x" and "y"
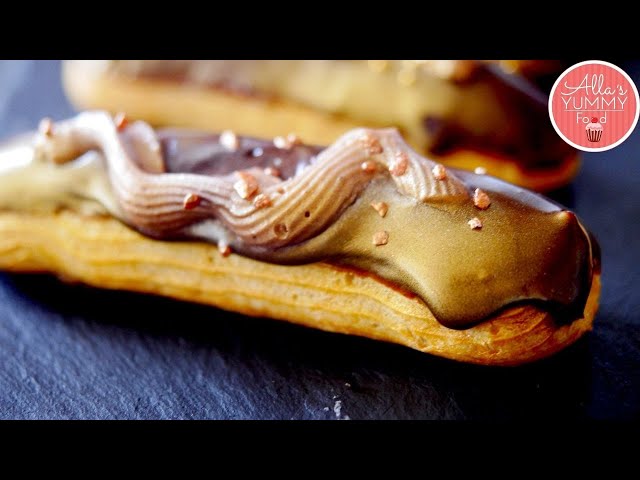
{"x": 153, "y": 201}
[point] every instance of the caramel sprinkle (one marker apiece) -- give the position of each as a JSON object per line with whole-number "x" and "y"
{"x": 369, "y": 167}
{"x": 481, "y": 200}
{"x": 293, "y": 139}
{"x": 281, "y": 142}
{"x": 247, "y": 186}
{"x": 371, "y": 144}
{"x": 224, "y": 249}
{"x": 475, "y": 223}
{"x": 272, "y": 171}
{"x": 439, "y": 172}
{"x": 262, "y": 201}
{"x": 380, "y": 207}
{"x": 191, "y": 201}
{"x": 380, "y": 238}
{"x": 288, "y": 142}
{"x": 121, "y": 120}
{"x": 229, "y": 140}
{"x": 400, "y": 166}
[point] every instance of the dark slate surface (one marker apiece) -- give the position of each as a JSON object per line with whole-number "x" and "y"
{"x": 74, "y": 352}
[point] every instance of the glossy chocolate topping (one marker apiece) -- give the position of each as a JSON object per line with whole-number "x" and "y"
{"x": 467, "y": 244}
{"x": 202, "y": 153}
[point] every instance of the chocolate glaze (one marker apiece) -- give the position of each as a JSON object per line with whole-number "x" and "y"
{"x": 202, "y": 153}
{"x": 528, "y": 249}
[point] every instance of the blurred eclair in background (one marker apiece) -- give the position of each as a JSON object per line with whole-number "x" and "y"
{"x": 487, "y": 116}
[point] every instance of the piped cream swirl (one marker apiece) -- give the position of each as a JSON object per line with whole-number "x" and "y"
{"x": 153, "y": 201}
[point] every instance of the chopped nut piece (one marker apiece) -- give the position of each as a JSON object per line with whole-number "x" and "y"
{"x": 481, "y": 200}
{"x": 439, "y": 172}
{"x": 229, "y": 140}
{"x": 480, "y": 171}
{"x": 288, "y": 142}
{"x": 380, "y": 207}
{"x": 371, "y": 144}
{"x": 272, "y": 171}
{"x": 281, "y": 142}
{"x": 262, "y": 201}
{"x": 224, "y": 249}
{"x": 369, "y": 167}
{"x": 280, "y": 190}
{"x": 380, "y": 238}
{"x": 121, "y": 120}
{"x": 191, "y": 201}
{"x": 247, "y": 186}
{"x": 400, "y": 165}
{"x": 294, "y": 139}
{"x": 475, "y": 223}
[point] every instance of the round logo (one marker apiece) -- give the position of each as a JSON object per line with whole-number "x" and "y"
{"x": 594, "y": 106}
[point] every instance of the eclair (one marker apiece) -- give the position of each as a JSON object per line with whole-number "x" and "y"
{"x": 464, "y": 114}
{"x": 364, "y": 236}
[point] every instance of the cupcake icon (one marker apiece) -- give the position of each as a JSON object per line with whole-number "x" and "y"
{"x": 594, "y": 130}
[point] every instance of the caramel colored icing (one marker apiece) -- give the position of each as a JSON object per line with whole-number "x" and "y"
{"x": 327, "y": 205}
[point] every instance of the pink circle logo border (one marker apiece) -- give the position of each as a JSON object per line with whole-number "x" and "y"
{"x": 577, "y": 125}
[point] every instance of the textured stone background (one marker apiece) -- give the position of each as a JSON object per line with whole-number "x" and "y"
{"x": 74, "y": 352}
